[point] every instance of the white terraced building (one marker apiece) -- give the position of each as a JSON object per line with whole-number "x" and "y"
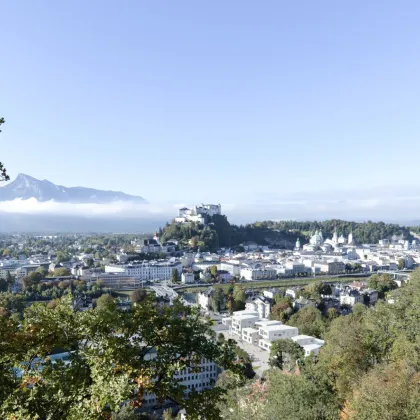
{"x": 310, "y": 345}
{"x": 270, "y": 333}
{"x": 263, "y": 332}
{"x": 240, "y": 320}
{"x": 146, "y": 270}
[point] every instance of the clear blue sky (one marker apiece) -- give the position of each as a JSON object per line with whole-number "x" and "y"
{"x": 213, "y": 100}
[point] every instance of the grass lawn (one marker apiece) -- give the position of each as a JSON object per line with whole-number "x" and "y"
{"x": 122, "y": 293}
{"x": 126, "y": 293}
{"x": 31, "y": 302}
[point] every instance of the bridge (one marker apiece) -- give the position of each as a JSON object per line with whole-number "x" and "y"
{"x": 168, "y": 292}
{"x": 164, "y": 291}
{"x": 397, "y": 275}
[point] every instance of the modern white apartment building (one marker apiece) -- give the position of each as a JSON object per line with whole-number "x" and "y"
{"x": 310, "y": 345}
{"x": 262, "y": 333}
{"x": 276, "y": 332}
{"x": 240, "y": 320}
{"x": 253, "y": 336}
{"x": 250, "y": 335}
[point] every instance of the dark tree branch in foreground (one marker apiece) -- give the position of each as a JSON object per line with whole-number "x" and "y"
{"x": 3, "y": 173}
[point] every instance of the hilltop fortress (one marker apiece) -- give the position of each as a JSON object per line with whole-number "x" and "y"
{"x": 199, "y": 213}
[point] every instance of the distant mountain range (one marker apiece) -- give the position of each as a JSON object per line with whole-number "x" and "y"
{"x": 25, "y": 187}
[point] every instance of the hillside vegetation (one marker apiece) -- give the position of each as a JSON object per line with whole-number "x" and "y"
{"x": 369, "y": 369}
{"x": 283, "y": 234}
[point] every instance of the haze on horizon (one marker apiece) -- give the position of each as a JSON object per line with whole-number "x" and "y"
{"x": 280, "y": 110}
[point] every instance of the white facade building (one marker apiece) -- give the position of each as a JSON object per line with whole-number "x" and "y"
{"x": 242, "y": 319}
{"x": 296, "y": 267}
{"x": 251, "y": 335}
{"x": 187, "y": 278}
{"x": 260, "y": 304}
{"x": 204, "y": 298}
{"x": 310, "y": 345}
{"x": 198, "y": 378}
{"x": 146, "y": 270}
{"x": 187, "y": 260}
{"x": 116, "y": 280}
{"x": 249, "y": 273}
{"x": 263, "y": 332}
{"x": 276, "y": 332}
{"x": 330, "y": 267}
{"x": 233, "y": 268}
{"x": 351, "y": 298}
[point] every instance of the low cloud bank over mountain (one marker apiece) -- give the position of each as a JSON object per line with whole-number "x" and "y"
{"x": 33, "y": 209}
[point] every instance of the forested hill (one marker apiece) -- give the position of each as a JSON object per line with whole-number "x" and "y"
{"x": 283, "y": 234}
{"x": 366, "y": 232}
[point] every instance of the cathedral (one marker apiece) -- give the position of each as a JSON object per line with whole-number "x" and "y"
{"x": 317, "y": 242}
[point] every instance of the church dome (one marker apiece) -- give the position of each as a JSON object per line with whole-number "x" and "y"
{"x": 316, "y": 239}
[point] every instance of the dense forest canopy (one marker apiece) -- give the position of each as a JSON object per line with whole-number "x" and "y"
{"x": 220, "y": 233}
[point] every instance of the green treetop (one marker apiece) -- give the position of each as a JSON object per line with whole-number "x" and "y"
{"x": 116, "y": 357}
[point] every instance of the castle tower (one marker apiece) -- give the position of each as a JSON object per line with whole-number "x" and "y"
{"x": 297, "y": 247}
